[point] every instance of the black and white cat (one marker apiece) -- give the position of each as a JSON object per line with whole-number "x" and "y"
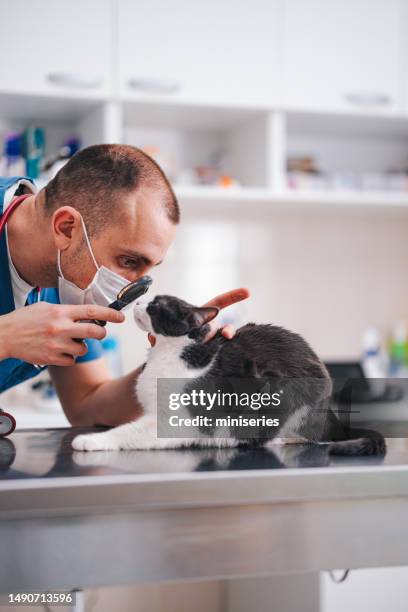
{"x": 256, "y": 351}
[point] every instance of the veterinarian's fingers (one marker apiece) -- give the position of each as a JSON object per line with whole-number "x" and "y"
{"x": 151, "y": 339}
{"x": 229, "y": 298}
{"x": 213, "y": 330}
{"x": 228, "y": 331}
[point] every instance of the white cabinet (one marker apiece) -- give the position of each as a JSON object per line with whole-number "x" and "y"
{"x": 213, "y": 51}
{"x": 61, "y": 48}
{"x": 404, "y": 54}
{"x": 342, "y": 54}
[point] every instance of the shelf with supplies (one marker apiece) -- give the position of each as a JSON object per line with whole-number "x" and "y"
{"x": 43, "y": 125}
{"x": 357, "y": 159}
{"x": 203, "y": 145}
{"x": 239, "y": 156}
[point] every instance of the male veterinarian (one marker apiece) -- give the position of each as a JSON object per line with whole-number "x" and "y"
{"x": 107, "y": 217}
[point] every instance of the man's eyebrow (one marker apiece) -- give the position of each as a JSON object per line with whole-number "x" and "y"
{"x": 144, "y": 258}
{"x": 137, "y": 255}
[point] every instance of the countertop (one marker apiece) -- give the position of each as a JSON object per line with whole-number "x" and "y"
{"x": 39, "y": 472}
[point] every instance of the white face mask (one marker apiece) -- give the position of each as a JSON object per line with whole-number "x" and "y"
{"x": 101, "y": 291}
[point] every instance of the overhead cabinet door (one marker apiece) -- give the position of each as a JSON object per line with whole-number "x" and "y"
{"x": 342, "y": 54}
{"x": 217, "y": 50}
{"x": 55, "y": 47}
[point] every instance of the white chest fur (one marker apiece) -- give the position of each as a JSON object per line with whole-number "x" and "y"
{"x": 164, "y": 361}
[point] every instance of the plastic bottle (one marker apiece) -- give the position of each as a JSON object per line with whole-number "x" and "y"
{"x": 13, "y": 160}
{"x": 373, "y": 362}
{"x": 399, "y": 350}
{"x": 34, "y": 150}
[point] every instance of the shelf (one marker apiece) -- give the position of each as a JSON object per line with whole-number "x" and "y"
{"x": 163, "y": 111}
{"x": 223, "y": 195}
{"x": 351, "y": 123}
{"x": 50, "y": 109}
{"x": 199, "y": 199}
{"x": 271, "y": 200}
{"x": 259, "y": 145}
{"x": 347, "y": 200}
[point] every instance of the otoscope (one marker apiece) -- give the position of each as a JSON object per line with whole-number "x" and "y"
{"x": 128, "y": 294}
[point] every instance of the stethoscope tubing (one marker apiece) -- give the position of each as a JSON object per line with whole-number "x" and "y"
{"x": 7, "y": 421}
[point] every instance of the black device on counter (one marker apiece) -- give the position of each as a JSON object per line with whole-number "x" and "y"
{"x": 351, "y": 374}
{"x": 129, "y": 294}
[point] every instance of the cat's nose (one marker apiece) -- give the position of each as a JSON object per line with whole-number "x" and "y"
{"x": 141, "y": 302}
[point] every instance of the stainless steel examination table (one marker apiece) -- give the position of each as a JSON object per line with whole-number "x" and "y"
{"x": 70, "y": 519}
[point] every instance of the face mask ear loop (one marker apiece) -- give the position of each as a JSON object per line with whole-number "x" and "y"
{"x": 59, "y": 264}
{"x": 88, "y": 243}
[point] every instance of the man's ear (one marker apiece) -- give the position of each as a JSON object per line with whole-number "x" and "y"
{"x": 66, "y": 220}
{"x": 202, "y": 315}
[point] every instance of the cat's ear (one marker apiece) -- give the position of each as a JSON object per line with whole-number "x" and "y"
{"x": 201, "y": 316}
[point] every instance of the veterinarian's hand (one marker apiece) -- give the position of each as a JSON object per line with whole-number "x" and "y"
{"x": 221, "y": 301}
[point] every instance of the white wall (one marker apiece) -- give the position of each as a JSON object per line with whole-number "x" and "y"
{"x": 325, "y": 276}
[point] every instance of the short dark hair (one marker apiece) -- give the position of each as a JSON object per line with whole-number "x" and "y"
{"x": 92, "y": 180}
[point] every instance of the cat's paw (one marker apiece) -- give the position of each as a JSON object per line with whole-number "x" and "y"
{"x": 93, "y": 442}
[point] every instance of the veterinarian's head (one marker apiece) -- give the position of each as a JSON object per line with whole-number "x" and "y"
{"x": 110, "y": 206}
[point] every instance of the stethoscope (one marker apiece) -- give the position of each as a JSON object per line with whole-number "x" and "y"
{"x": 7, "y": 421}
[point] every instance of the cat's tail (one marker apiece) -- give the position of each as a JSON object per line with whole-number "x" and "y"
{"x": 352, "y": 441}
{"x": 359, "y": 442}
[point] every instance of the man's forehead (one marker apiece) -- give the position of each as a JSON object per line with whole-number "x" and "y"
{"x": 145, "y": 227}
{"x": 145, "y": 206}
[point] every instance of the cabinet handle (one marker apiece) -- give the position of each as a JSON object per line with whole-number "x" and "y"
{"x": 155, "y": 85}
{"x": 78, "y": 81}
{"x": 368, "y": 98}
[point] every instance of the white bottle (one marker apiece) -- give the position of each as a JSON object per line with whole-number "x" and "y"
{"x": 373, "y": 364}
{"x": 398, "y": 367}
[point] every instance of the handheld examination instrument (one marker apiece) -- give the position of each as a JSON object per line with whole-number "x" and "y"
{"x": 129, "y": 294}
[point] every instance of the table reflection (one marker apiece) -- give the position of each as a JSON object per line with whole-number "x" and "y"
{"x": 48, "y": 454}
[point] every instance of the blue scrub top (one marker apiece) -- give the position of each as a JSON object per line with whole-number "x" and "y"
{"x": 15, "y": 371}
